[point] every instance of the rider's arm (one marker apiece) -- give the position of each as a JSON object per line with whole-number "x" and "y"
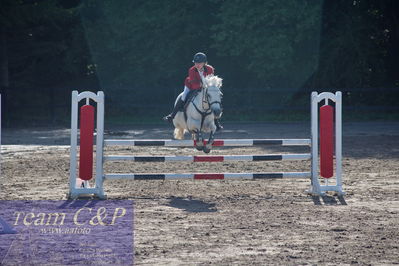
{"x": 193, "y": 80}
{"x": 210, "y": 69}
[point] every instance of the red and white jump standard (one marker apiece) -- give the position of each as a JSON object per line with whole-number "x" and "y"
{"x": 324, "y": 134}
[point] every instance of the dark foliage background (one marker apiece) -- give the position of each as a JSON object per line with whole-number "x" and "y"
{"x": 271, "y": 54}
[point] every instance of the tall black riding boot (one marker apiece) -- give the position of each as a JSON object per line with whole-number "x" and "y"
{"x": 176, "y": 108}
{"x": 218, "y": 125}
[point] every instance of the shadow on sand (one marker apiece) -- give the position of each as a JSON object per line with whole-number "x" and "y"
{"x": 191, "y": 205}
{"x": 329, "y": 200}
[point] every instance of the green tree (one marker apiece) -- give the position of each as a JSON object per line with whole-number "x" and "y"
{"x": 45, "y": 55}
{"x": 145, "y": 43}
{"x": 352, "y": 49}
{"x": 276, "y": 40}
{"x": 143, "y": 49}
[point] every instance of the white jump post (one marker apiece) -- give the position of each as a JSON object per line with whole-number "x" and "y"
{"x": 80, "y": 185}
{"x": 315, "y": 98}
{"x": 77, "y": 186}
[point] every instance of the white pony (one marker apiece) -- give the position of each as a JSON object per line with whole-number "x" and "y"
{"x": 199, "y": 116}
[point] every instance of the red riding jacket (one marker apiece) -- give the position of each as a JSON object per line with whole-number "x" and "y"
{"x": 193, "y": 81}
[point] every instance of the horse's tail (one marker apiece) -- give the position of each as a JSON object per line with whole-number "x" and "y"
{"x": 179, "y": 133}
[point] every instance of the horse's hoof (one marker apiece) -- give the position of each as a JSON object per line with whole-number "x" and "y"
{"x": 206, "y": 150}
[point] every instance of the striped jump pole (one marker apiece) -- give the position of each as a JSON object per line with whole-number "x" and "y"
{"x": 216, "y": 143}
{"x": 209, "y": 158}
{"x": 321, "y": 133}
{"x": 209, "y": 176}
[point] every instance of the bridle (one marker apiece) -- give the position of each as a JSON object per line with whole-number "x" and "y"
{"x": 205, "y": 100}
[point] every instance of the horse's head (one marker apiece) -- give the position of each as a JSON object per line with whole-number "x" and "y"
{"x": 214, "y": 94}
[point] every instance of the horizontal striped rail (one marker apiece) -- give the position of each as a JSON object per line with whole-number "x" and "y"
{"x": 209, "y": 176}
{"x": 211, "y": 158}
{"x": 218, "y": 142}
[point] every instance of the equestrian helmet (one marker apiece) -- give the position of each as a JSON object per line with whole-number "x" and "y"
{"x": 199, "y": 58}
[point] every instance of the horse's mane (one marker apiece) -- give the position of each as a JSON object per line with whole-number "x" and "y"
{"x": 213, "y": 81}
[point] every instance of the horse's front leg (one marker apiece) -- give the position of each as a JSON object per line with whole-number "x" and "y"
{"x": 212, "y": 128}
{"x": 209, "y": 143}
{"x": 194, "y": 127}
{"x": 199, "y": 141}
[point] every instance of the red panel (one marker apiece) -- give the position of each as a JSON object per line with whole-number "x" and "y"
{"x": 215, "y": 143}
{"x": 218, "y": 143}
{"x": 208, "y": 158}
{"x": 209, "y": 176}
{"x": 86, "y": 142}
{"x": 326, "y": 141}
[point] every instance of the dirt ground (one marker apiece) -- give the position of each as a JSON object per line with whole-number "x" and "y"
{"x": 243, "y": 222}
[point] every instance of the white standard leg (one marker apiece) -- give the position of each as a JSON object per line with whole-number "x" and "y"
{"x": 73, "y": 149}
{"x": 338, "y": 142}
{"x": 100, "y": 146}
{"x": 315, "y": 186}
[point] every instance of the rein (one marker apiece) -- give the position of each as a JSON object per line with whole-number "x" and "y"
{"x": 207, "y": 111}
{"x": 205, "y": 100}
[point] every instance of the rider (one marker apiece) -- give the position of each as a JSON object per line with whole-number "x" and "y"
{"x": 193, "y": 82}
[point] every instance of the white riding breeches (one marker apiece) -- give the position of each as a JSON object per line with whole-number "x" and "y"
{"x": 185, "y": 93}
